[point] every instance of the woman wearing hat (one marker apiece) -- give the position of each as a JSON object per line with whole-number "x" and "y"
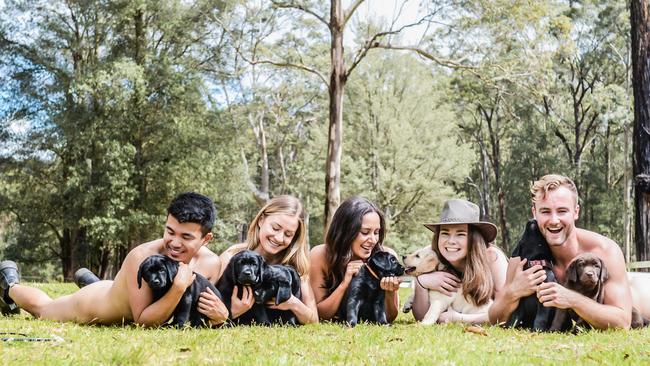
{"x": 463, "y": 243}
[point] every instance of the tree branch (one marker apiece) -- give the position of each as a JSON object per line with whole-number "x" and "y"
{"x": 428, "y": 56}
{"x": 350, "y": 11}
{"x": 283, "y": 5}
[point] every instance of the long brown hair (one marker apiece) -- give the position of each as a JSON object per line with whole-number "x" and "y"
{"x": 477, "y": 281}
{"x": 344, "y": 228}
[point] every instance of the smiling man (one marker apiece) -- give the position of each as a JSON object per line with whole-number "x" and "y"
{"x": 555, "y": 207}
{"x": 190, "y": 218}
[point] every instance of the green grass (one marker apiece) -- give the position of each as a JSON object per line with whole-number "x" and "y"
{"x": 403, "y": 343}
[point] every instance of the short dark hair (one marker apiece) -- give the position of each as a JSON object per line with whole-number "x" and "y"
{"x": 193, "y": 207}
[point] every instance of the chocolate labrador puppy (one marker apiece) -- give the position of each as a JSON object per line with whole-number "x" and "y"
{"x": 158, "y": 271}
{"x": 587, "y": 275}
{"x": 280, "y": 282}
{"x": 530, "y": 313}
{"x": 364, "y": 299}
{"x": 245, "y": 268}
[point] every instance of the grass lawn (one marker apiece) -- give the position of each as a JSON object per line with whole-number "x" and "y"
{"x": 403, "y": 343}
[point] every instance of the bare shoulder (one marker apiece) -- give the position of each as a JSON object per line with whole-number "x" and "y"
{"x": 317, "y": 255}
{"x": 229, "y": 252}
{"x": 142, "y": 251}
{"x": 495, "y": 254}
{"x": 605, "y": 248}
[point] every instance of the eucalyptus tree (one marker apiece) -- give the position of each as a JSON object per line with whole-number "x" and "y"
{"x": 333, "y": 19}
{"x": 640, "y": 35}
{"x": 402, "y": 142}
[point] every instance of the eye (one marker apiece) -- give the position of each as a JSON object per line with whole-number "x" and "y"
{"x": 417, "y": 256}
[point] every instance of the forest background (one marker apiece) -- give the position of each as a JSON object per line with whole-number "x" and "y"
{"x": 110, "y": 108}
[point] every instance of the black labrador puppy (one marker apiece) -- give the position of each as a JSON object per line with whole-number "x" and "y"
{"x": 364, "y": 299}
{"x": 279, "y": 283}
{"x": 245, "y": 268}
{"x": 530, "y": 313}
{"x": 158, "y": 271}
{"x": 587, "y": 275}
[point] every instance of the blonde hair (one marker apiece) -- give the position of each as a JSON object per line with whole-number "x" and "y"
{"x": 477, "y": 282}
{"x": 297, "y": 253}
{"x": 550, "y": 182}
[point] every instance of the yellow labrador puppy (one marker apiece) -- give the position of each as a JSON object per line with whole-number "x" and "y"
{"x": 423, "y": 261}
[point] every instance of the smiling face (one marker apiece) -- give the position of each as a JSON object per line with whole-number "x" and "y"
{"x": 452, "y": 243}
{"x": 183, "y": 240}
{"x": 556, "y": 215}
{"x": 276, "y": 232}
{"x": 367, "y": 237}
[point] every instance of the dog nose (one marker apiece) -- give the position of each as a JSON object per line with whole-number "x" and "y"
{"x": 590, "y": 273}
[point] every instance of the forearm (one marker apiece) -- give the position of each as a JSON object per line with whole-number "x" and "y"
{"x": 503, "y": 306}
{"x": 160, "y": 311}
{"x": 392, "y": 305}
{"x": 601, "y": 316}
{"x": 420, "y": 303}
{"x": 328, "y": 307}
{"x": 477, "y": 318}
{"x": 304, "y": 313}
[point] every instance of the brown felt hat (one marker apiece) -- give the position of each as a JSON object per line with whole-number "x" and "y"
{"x": 457, "y": 211}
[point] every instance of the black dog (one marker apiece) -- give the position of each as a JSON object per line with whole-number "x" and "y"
{"x": 245, "y": 268}
{"x": 158, "y": 271}
{"x": 280, "y": 282}
{"x": 364, "y": 299}
{"x": 531, "y": 313}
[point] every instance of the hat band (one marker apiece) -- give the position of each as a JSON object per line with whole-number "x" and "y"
{"x": 456, "y": 219}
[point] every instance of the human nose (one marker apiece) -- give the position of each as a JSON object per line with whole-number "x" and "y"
{"x": 279, "y": 237}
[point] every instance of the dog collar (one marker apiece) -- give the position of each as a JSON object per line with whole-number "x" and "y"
{"x": 371, "y": 271}
{"x": 542, "y": 262}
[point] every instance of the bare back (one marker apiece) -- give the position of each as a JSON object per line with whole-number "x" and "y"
{"x": 114, "y": 302}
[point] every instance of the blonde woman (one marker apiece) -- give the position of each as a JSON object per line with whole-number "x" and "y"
{"x": 277, "y": 233}
{"x": 462, "y": 242}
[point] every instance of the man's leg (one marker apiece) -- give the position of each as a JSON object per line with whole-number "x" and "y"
{"x": 84, "y": 277}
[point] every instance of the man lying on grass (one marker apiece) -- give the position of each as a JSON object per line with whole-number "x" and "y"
{"x": 555, "y": 207}
{"x": 190, "y": 218}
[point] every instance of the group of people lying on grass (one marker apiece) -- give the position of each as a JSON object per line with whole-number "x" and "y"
{"x": 461, "y": 277}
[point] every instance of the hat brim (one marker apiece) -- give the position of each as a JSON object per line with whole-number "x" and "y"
{"x": 488, "y": 229}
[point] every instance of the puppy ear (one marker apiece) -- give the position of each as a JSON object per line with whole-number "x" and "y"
{"x": 572, "y": 272}
{"x": 283, "y": 294}
{"x": 604, "y": 275}
{"x": 171, "y": 268}
{"x": 295, "y": 281}
{"x": 261, "y": 268}
{"x": 231, "y": 268}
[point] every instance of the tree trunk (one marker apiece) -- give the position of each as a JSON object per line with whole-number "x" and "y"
{"x": 337, "y": 84}
{"x": 641, "y": 86}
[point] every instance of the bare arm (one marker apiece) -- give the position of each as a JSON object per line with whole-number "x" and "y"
{"x": 327, "y": 305}
{"x": 616, "y": 310}
{"x": 140, "y": 299}
{"x": 305, "y": 307}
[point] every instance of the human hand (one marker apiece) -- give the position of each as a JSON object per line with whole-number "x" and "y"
{"x": 443, "y": 282}
{"x": 240, "y": 306}
{"x": 287, "y": 305}
{"x": 211, "y": 306}
{"x": 449, "y": 316}
{"x": 522, "y": 283}
{"x": 390, "y": 283}
{"x": 351, "y": 270}
{"x": 184, "y": 277}
{"x": 552, "y": 294}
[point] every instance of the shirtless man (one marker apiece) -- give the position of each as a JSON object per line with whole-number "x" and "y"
{"x": 555, "y": 207}
{"x": 190, "y": 218}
